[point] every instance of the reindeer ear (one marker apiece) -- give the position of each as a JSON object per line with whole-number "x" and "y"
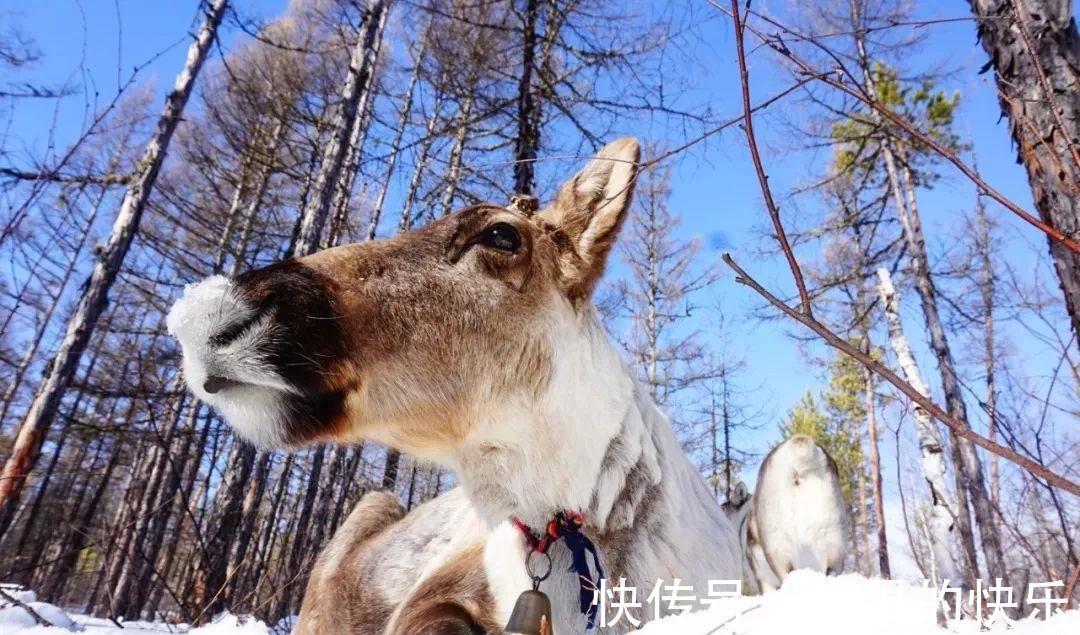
{"x": 589, "y": 211}
{"x": 740, "y": 495}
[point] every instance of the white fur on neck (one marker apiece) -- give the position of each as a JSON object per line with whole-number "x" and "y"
{"x": 529, "y": 458}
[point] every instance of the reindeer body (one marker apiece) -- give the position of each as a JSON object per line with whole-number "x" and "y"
{"x": 798, "y": 518}
{"x": 648, "y": 511}
{"x": 757, "y": 573}
{"x": 400, "y": 574}
{"x": 472, "y": 342}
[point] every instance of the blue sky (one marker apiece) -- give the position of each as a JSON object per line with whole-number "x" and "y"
{"x": 714, "y": 189}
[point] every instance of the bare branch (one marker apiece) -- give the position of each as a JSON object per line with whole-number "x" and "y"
{"x": 763, "y": 179}
{"x": 834, "y": 340}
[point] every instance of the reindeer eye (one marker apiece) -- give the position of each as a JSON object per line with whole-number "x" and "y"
{"x": 502, "y": 236}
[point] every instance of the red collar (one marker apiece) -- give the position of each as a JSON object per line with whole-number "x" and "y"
{"x": 562, "y": 523}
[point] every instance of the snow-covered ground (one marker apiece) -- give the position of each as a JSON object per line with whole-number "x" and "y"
{"x": 809, "y": 603}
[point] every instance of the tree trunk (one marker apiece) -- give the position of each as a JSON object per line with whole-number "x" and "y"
{"x": 123, "y": 529}
{"x": 325, "y": 505}
{"x": 249, "y": 512}
{"x": 213, "y": 576}
{"x": 352, "y": 464}
{"x": 43, "y": 486}
{"x": 149, "y": 510}
{"x": 269, "y": 532}
{"x": 373, "y": 27}
{"x": 406, "y": 222}
{"x": 983, "y": 244}
{"x": 862, "y": 522}
{"x": 875, "y": 474}
{"x": 457, "y": 152}
{"x": 43, "y": 325}
{"x": 296, "y": 563}
{"x": 933, "y": 459}
{"x": 399, "y": 131}
{"x": 904, "y": 200}
{"x": 80, "y": 533}
{"x": 95, "y": 297}
{"x": 968, "y": 463}
{"x": 335, "y": 155}
{"x": 1034, "y": 49}
{"x": 527, "y": 141}
{"x": 185, "y": 500}
{"x": 174, "y": 462}
{"x": 390, "y": 470}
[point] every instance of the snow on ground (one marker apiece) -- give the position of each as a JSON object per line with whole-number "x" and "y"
{"x": 19, "y": 623}
{"x": 808, "y": 604}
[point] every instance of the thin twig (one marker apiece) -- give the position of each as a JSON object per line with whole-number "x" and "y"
{"x": 16, "y": 174}
{"x": 763, "y": 179}
{"x": 834, "y": 340}
{"x": 1071, "y": 586}
{"x": 26, "y": 607}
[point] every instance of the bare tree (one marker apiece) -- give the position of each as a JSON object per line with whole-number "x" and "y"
{"x": 335, "y": 158}
{"x": 659, "y": 297}
{"x": 81, "y": 324}
{"x": 942, "y": 511}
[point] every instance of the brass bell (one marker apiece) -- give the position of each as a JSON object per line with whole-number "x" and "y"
{"x": 531, "y": 615}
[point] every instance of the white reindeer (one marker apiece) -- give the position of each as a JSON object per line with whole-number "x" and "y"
{"x": 796, "y": 519}
{"x": 472, "y": 342}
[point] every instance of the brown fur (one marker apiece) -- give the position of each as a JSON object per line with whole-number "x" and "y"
{"x": 405, "y": 341}
{"x": 343, "y": 594}
{"x": 455, "y": 599}
{"x": 400, "y": 339}
{"x": 337, "y": 599}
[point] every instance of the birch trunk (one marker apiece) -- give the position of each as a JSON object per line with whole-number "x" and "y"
{"x": 406, "y": 222}
{"x": 1034, "y": 48}
{"x": 81, "y": 325}
{"x": 335, "y": 156}
{"x": 395, "y": 145}
{"x": 374, "y": 25}
{"x": 457, "y": 152}
{"x": 968, "y": 463}
{"x": 942, "y": 509}
{"x": 969, "y": 473}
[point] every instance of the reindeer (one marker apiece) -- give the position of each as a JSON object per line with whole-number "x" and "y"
{"x": 757, "y": 574}
{"x": 796, "y": 518}
{"x": 472, "y": 342}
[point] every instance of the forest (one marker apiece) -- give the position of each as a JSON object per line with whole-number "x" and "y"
{"x": 842, "y": 227}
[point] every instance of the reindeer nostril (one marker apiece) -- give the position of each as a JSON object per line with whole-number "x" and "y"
{"x": 235, "y": 330}
{"x": 214, "y": 384}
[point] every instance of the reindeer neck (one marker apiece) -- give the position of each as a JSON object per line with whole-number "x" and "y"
{"x": 594, "y": 443}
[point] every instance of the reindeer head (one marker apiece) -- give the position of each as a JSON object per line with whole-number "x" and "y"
{"x": 403, "y": 340}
